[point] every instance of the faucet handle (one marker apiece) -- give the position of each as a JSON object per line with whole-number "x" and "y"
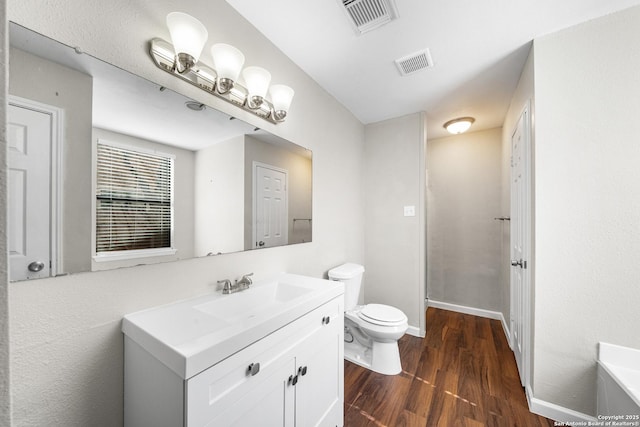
{"x": 247, "y": 278}
{"x": 226, "y": 285}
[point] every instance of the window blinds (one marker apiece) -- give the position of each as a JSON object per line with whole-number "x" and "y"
{"x": 133, "y": 199}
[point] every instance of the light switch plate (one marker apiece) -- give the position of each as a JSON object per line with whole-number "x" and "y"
{"x": 409, "y": 211}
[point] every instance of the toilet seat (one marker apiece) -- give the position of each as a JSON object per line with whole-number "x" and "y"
{"x": 383, "y": 315}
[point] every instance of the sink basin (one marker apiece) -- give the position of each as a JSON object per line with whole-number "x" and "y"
{"x": 191, "y": 335}
{"x": 252, "y": 302}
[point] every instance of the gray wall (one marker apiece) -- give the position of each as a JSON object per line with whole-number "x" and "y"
{"x": 66, "y": 344}
{"x": 71, "y": 91}
{"x": 464, "y": 240}
{"x": 395, "y": 244}
{"x": 587, "y": 203}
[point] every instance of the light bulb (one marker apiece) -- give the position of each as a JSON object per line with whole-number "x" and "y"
{"x": 188, "y": 36}
{"x": 228, "y": 61}
{"x": 257, "y": 81}
{"x": 281, "y": 97}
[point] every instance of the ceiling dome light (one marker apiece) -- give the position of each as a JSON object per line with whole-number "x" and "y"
{"x": 459, "y": 125}
{"x": 188, "y": 36}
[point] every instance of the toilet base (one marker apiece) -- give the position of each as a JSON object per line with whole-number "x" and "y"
{"x": 383, "y": 358}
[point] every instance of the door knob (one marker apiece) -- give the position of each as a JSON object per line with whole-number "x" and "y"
{"x": 36, "y": 266}
{"x": 261, "y": 243}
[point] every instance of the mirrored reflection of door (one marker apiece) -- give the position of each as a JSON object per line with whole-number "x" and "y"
{"x": 270, "y": 206}
{"x": 29, "y": 151}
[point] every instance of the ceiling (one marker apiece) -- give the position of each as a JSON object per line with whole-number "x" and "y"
{"x": 478, "y": 48}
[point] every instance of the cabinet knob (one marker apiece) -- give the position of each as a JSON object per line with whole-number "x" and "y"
{"x": 326, "y": 320}
{"x": 253, "y": 369}
{"x": 293, "y": 379}
{"x": 302, "y": 370}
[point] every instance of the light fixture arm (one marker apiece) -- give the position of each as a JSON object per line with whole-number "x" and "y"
{"x": 205, "y": 78}
{"x": 184, "y": 62}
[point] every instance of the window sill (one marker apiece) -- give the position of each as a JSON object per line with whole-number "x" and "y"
{"x": 140, "y": 253}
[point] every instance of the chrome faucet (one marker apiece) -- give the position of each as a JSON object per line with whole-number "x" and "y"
{"x": 226, "y": 286}
{"x": 244, "y": 282}
{"x": 239, "y": 285}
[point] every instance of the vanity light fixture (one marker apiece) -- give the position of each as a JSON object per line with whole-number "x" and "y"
{"x": 181, "y": 58}
{"x": 459, "y": 125}
{"x": 257, "y": 80}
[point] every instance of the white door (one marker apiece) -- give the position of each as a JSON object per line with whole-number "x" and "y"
{"x": 29, "y": 137}
{"x": 520, "y": 236}
{"x": 270, "y": 206}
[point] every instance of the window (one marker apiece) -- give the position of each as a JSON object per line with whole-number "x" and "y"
{"x": 134, "y": 201}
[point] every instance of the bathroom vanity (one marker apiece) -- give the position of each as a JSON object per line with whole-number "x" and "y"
{"x": 271, "y": 355}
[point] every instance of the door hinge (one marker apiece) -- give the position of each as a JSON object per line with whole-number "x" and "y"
{"x": 524, "y": 264}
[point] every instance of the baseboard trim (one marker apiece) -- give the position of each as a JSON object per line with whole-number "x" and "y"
{"x": 412, "y": 330}
{"x": 496, "y": 315}
{"x": 555, "y": 412}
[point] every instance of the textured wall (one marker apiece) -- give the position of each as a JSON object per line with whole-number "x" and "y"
{"x": 5, "y": 389}
{"x": 67, "y": 362}
{"x": 587, "y": 213}
{"x": 464, "y": 240}
{"x": 394, "y": 243}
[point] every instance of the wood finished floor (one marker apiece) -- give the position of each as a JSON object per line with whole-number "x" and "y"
{"x": 462, "y": 373}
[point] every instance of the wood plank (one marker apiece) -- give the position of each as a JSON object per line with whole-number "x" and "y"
{"x": 462, "y": 373}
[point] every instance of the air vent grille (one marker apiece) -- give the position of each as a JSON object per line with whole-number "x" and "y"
{"x": 367, "y": 15}
{"x": 415, "y": 62}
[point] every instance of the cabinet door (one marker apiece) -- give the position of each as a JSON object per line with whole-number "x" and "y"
{"x": 320, "y": 367}
{"x": 225, "y": 393}
{"x": 269, "y": 403}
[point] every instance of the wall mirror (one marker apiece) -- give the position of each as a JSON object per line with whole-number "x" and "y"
{"x": 108, "y": 170}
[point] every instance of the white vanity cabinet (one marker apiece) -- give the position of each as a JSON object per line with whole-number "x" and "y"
{"x": 293, "y": 376}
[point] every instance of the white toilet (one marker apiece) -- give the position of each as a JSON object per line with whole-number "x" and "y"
{"x": 372, "y": 331}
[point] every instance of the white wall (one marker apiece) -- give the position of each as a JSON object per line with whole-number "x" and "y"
{"x": 5, "y": 394}
{"x": 395, "y": 244}
{"x": 587, "y": 203}
{"x": 464, "y": 241}
{"x": 219, "y": 189}
{"x": 66, "y": 345}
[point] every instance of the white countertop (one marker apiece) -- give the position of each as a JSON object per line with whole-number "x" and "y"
{"x": 191, "y": 335}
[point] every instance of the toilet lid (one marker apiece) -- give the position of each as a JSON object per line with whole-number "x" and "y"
{"x": 381, "y": 314}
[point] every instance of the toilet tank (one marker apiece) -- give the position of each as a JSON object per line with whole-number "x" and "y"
{"x": 351, "y": 275}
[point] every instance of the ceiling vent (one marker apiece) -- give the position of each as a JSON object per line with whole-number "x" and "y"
{"x": 367, "y": 15}
{"x": 415, "y": 62}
